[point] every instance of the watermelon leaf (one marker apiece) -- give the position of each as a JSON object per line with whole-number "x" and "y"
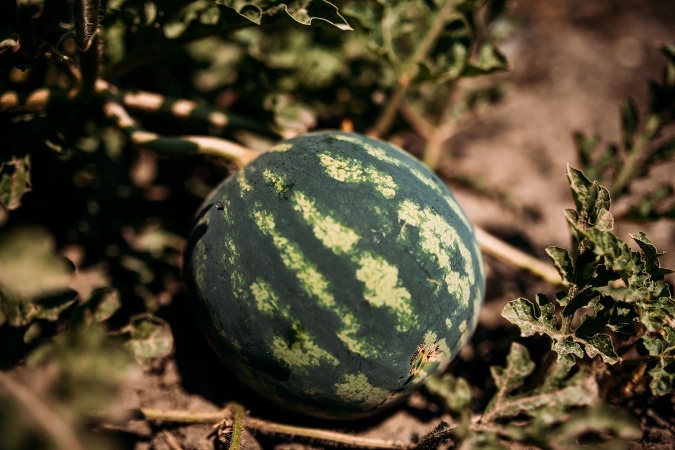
{"x": 555, "y": 395}
{"x": 15, "y": 181}
{"x": 148, "y": 337}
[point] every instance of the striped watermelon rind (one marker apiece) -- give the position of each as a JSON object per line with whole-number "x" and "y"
{"x": 334, "y": 273}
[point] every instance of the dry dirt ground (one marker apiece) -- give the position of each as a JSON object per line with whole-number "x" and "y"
{"x": 573, "y": 62}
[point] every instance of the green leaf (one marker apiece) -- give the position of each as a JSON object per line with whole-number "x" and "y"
{"x": 456, "y": 393}
{"x": 149, "y": 337}
{"x": 303, "y": 12}
{"x": 661, "y": 153}
{"x": 539, "y": 317}
{"x": 101, "y": 305}
{"x": 630, "y": 120}
{"x": 490, "y": 60}
{"x": 662, "y": 350}
{"x": 654, "y": 314}
{"x": 592, "y": 203}
{"x": 653, "y": 206}
{"x": 550, "y": 399}
{"x": 86, "y": 367}
{"x": 608, "y": 427}
{"x": 15, "y": 181}
{"x": 32, "y": 276}
{"x": 652, "y": 260}
{"x": 562, "y": 262}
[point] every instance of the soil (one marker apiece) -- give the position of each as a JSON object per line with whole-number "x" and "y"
{"x": 572, "y": 64}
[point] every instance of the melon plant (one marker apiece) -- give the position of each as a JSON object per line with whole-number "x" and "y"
{"x": 334, "y": 273}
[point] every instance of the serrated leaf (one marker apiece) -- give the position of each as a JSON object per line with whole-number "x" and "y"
{"x": 539, "y": 317}
{"x": 592, "y": 203}
{"x": 456, "y": 394}
{"x": 662, "y": 350}
{"x": 557, "y": 395}
{"x": 653, "y": 262}
{"x": 562, "y": 262}
{"x": 149, "y": 337}
{"x": 15, "y": 181}
{"x": 34, "y": 280}
{"x": 654, "y": 314}
{"x": 303, "y": 12}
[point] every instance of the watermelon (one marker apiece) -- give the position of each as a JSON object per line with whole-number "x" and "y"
{"x": 334, "y": 273}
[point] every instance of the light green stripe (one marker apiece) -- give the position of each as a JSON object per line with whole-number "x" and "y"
{"x": 311, "y": 280}
{"x": 313, "y": 283}
{"x": 266, "y": 299}
{"x": 379, "y": 153}
{"x": 383, "y": 287}
{"x": 332, "y": 234}
{"x": 351, "y": 170}
{"x": 301, "y": 354}
{"x": 357, "y": 389}
{"x": 439, "y": 239}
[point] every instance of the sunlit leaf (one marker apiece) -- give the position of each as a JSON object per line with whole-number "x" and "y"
{"x": 539, "y": 317}
{"x": 592, "y": 203}
{"x": 312, "y": 12}
{"x": 563, "y": 262}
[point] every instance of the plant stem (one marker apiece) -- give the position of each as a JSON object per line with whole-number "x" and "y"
{"x": 499, "y": 249}
{"x": 265, "y": 426}
{"x": 177, "y": 145}
{"x": 187, "y": 109}
{"x": 388, "y": 114}
{"x": 61, "y": 433}
{"x": 237, "y": 425}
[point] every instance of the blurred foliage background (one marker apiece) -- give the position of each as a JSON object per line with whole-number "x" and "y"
{"x": 93, "y": 215}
